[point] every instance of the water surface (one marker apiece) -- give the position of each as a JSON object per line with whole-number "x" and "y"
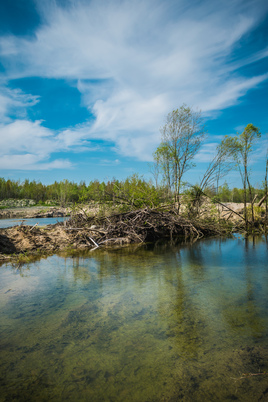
{"x": 158, "y": 323}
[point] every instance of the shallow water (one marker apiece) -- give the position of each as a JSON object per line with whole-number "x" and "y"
{"x": 158, "y": 323}
{"x": 6, "y": 223}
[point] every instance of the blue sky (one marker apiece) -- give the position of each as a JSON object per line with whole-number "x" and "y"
{"x": 86, "y": 85}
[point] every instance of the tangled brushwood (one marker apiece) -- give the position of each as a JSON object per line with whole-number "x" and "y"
{"x": 143, "y": 225}
{"x": 82, "y": 232}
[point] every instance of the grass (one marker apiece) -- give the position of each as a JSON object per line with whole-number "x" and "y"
{"x": 28, "y": 257}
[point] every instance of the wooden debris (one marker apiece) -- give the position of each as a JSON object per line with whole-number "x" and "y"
{"x": 143, "y": 225}
{"x": 84, "y": 232}
{"x": 34, "y": 226}
{"x": 262, "y": 200}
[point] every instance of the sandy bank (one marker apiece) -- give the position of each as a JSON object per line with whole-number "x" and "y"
{"x": 34, "y": 212}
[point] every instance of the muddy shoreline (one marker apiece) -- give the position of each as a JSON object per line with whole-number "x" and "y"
{"x": 31, "y": 242}
{"x": 21, "y": 239}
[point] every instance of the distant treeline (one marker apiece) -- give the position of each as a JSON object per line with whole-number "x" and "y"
{"x": 133, "y": 190}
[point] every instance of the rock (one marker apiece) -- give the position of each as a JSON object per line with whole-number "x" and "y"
{"x": 14, "y": 203}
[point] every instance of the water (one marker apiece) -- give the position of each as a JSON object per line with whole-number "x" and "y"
{"x": 158, "y": 323}
{"x": 6, "y": 223}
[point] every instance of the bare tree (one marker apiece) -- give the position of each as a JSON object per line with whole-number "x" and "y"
{"x": 154, "y": 169}
{"x": 182, "y": 136}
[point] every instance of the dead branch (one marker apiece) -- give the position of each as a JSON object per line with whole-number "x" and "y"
{"x": 262, "y": 200}
{"x": 225, "y": 206}
{"x": 34, "y": 226}
{"x": 93, "y": 241}
{"x": 247, "y": 375}
{"x": 142, "y": 225}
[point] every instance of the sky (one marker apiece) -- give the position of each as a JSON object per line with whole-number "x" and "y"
{"x": 85, "y": 86}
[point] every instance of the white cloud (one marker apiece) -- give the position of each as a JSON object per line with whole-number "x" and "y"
{"x": 26, "y": 136}
{"x": 133, "y": 62}
{"x": 14, "y": 100}
{"x": 207, "y": 152}
{"x": 208, "y": 149}
{"x": 108, "y": 162}
{"x": 231, "y": 92}
{"x": 261, "y": 151}
{"x": 31, "y": 162}
{"x": 27, "y": 145}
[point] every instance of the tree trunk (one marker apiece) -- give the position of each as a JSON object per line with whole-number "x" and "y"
{"x": 266, "y": 191}
{"x": 245, "y": 202}
{"x": 251, "y": 201}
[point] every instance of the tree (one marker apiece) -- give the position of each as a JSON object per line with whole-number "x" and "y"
{"x": 241, "y": 146}
{"x": 265, "y": 197}
{"x": 162, "y": 157}
{"x": 154, "y": 169}
{"x": 136, "y": 192}
{"x": 219, "y": 166}
{"x": 182, "y": 136}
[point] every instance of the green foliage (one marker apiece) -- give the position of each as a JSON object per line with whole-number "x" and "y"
{"x": 133, "y": 192}
{"x": 258, "y": 212}
{"x": 136, "y": 192}
{"x": 193, "y": 200}
{"x": 224, "y": 193}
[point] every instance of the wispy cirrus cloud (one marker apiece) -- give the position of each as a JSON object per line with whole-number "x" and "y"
{"x": 15, "y": 102}
{"x": 31, "y": 162}
{"x": 134, "y": 62}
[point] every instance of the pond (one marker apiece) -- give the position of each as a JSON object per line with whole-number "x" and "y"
{"x": 6, "y": 223}
{"x": 155, "y": 323}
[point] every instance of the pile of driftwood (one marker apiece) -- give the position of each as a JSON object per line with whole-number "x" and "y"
{"x": 138, "y": 226}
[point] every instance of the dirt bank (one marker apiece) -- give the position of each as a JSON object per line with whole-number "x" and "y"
{"x": 20, "y": 239}
{"x": 49, "y": 212}
{"x": 34, "y": 212}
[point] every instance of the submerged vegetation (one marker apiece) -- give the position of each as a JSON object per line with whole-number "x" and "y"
{"x": 162, "y": 322}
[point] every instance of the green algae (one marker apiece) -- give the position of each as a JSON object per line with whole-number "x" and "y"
{"x": 155, "y": 323}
